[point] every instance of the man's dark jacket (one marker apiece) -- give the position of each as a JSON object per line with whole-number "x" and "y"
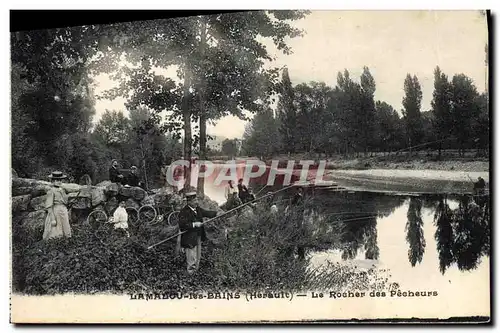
{"x": 113, "y": 175}
{"x": 187, "y": 216}
{"x": 133, "y": 179}
{"x": 243, "y": 193}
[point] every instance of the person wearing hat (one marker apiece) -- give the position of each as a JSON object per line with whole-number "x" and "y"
{"x": 133, "y": 178}
{"x": 190, "y": 221}
{"x": 57, "y": 220}
{"x": 114, "y": 174}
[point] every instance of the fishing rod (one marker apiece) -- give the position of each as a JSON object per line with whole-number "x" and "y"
{"x": 221, "y": 215}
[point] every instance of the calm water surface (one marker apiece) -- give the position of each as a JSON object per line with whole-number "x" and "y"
{"x": 397, "y": 234}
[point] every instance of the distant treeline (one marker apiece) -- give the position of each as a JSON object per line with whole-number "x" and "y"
{"x": 346, "y": 119}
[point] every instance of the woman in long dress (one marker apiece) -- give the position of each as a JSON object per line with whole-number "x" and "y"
{"x": 57, "y": 220}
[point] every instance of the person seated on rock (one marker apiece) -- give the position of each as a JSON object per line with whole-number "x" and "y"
{"x": 133, "y": 177}
{"x": 115, "y": 175}
{"x": 57, "y": 220}
{"x": 120, "y": 219}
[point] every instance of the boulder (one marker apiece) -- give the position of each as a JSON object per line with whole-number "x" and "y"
{"x": 136, "y": 193}
{"x": 71, "y": 187}
{"x": 112, "y": 189}
{"x": 38, "y": 203}
{"x": 20, "y": 203}
{"x": 23, "y": 190}
{"x": 104, "y": 184}
{"x": 78, "y": 200}
{"x": 98, "y": 196}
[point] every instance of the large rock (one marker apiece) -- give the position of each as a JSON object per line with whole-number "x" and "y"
{"x": 78, "y": 200}
{"x": 20, "y": 203}
{"x": 136, "y": 193}
{"x": 112, "y": 189}
{"x": 104, "y": 184}
{"x": 98, "y": 196}
{"x": 38, "y": 203}
{"x": 22, "y": 190}
{"x": 35, "y": 183}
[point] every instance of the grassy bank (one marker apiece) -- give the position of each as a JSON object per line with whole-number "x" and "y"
{"x": 259, "y": 254}
{"x": 418, "y": 161}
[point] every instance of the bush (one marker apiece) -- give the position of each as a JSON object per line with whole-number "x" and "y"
{"x": 259, "y": 254}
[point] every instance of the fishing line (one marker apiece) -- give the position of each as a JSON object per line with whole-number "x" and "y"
{"x": 223, "y": 214}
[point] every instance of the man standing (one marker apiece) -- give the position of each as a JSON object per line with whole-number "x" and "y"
{"x": 190, "y": 221}
{"x": 243, "y": 192}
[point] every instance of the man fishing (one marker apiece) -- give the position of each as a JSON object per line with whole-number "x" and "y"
{"x": 190, "y": 222}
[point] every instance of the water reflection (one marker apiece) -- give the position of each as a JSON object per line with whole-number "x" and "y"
{"x": 349, "y": 223}
{"x": 415, "y": 232}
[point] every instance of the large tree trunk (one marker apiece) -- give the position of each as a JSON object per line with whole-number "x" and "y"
{"x": 186, "y": 117}
{"x": 203, "y": 115}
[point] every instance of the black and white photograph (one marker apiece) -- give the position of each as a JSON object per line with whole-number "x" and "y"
{"x": 258, "y": 166}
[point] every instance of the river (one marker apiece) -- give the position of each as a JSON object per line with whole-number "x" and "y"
{"x": 397, "y": 235}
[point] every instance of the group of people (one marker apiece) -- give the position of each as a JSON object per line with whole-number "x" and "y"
{"x": 190, "y": 216}
{"x": 57, "y": 218}
{"x": 116, "y": 176}
{"x": 238, "y": 195}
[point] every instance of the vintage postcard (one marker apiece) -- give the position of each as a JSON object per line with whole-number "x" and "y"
{"x": 251, "y": 167}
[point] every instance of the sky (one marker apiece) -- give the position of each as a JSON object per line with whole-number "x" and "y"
{"x": 391, "y": 43}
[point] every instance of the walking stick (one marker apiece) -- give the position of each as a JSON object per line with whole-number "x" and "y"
{"x": 221, "y": 215}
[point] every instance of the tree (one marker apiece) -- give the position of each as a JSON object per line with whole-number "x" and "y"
{"x": 113, "y": 128}
{"x": 349, "y": 112}
{"x": 229, "y": 147}
{"x": 52, "y": 99}
{"x": 388, "y": 126}
{"x": 286, "y": 111}
{"x": 411, "y": 112}
{"x": 464, "y": 109}
{"x": 367, "y": 109}
{"x": 220, "y": 51}
{"x": 441, "y": 107}
{"x": 481, "y": 127}
{"x": 262, "y": 135}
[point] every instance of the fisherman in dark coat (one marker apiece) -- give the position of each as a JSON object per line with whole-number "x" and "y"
{"x": 114, "y": 174}
{"x": 190, "y": 220}
{"x": 243, "y": 192}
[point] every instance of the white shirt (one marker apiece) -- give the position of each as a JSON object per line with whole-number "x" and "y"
{"x": 274, "y": 209}
{"x": 120, "y": 218}
{"x": 230, "y": 191}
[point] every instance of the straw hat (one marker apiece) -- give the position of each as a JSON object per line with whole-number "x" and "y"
{"x": 57, "y": 175}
